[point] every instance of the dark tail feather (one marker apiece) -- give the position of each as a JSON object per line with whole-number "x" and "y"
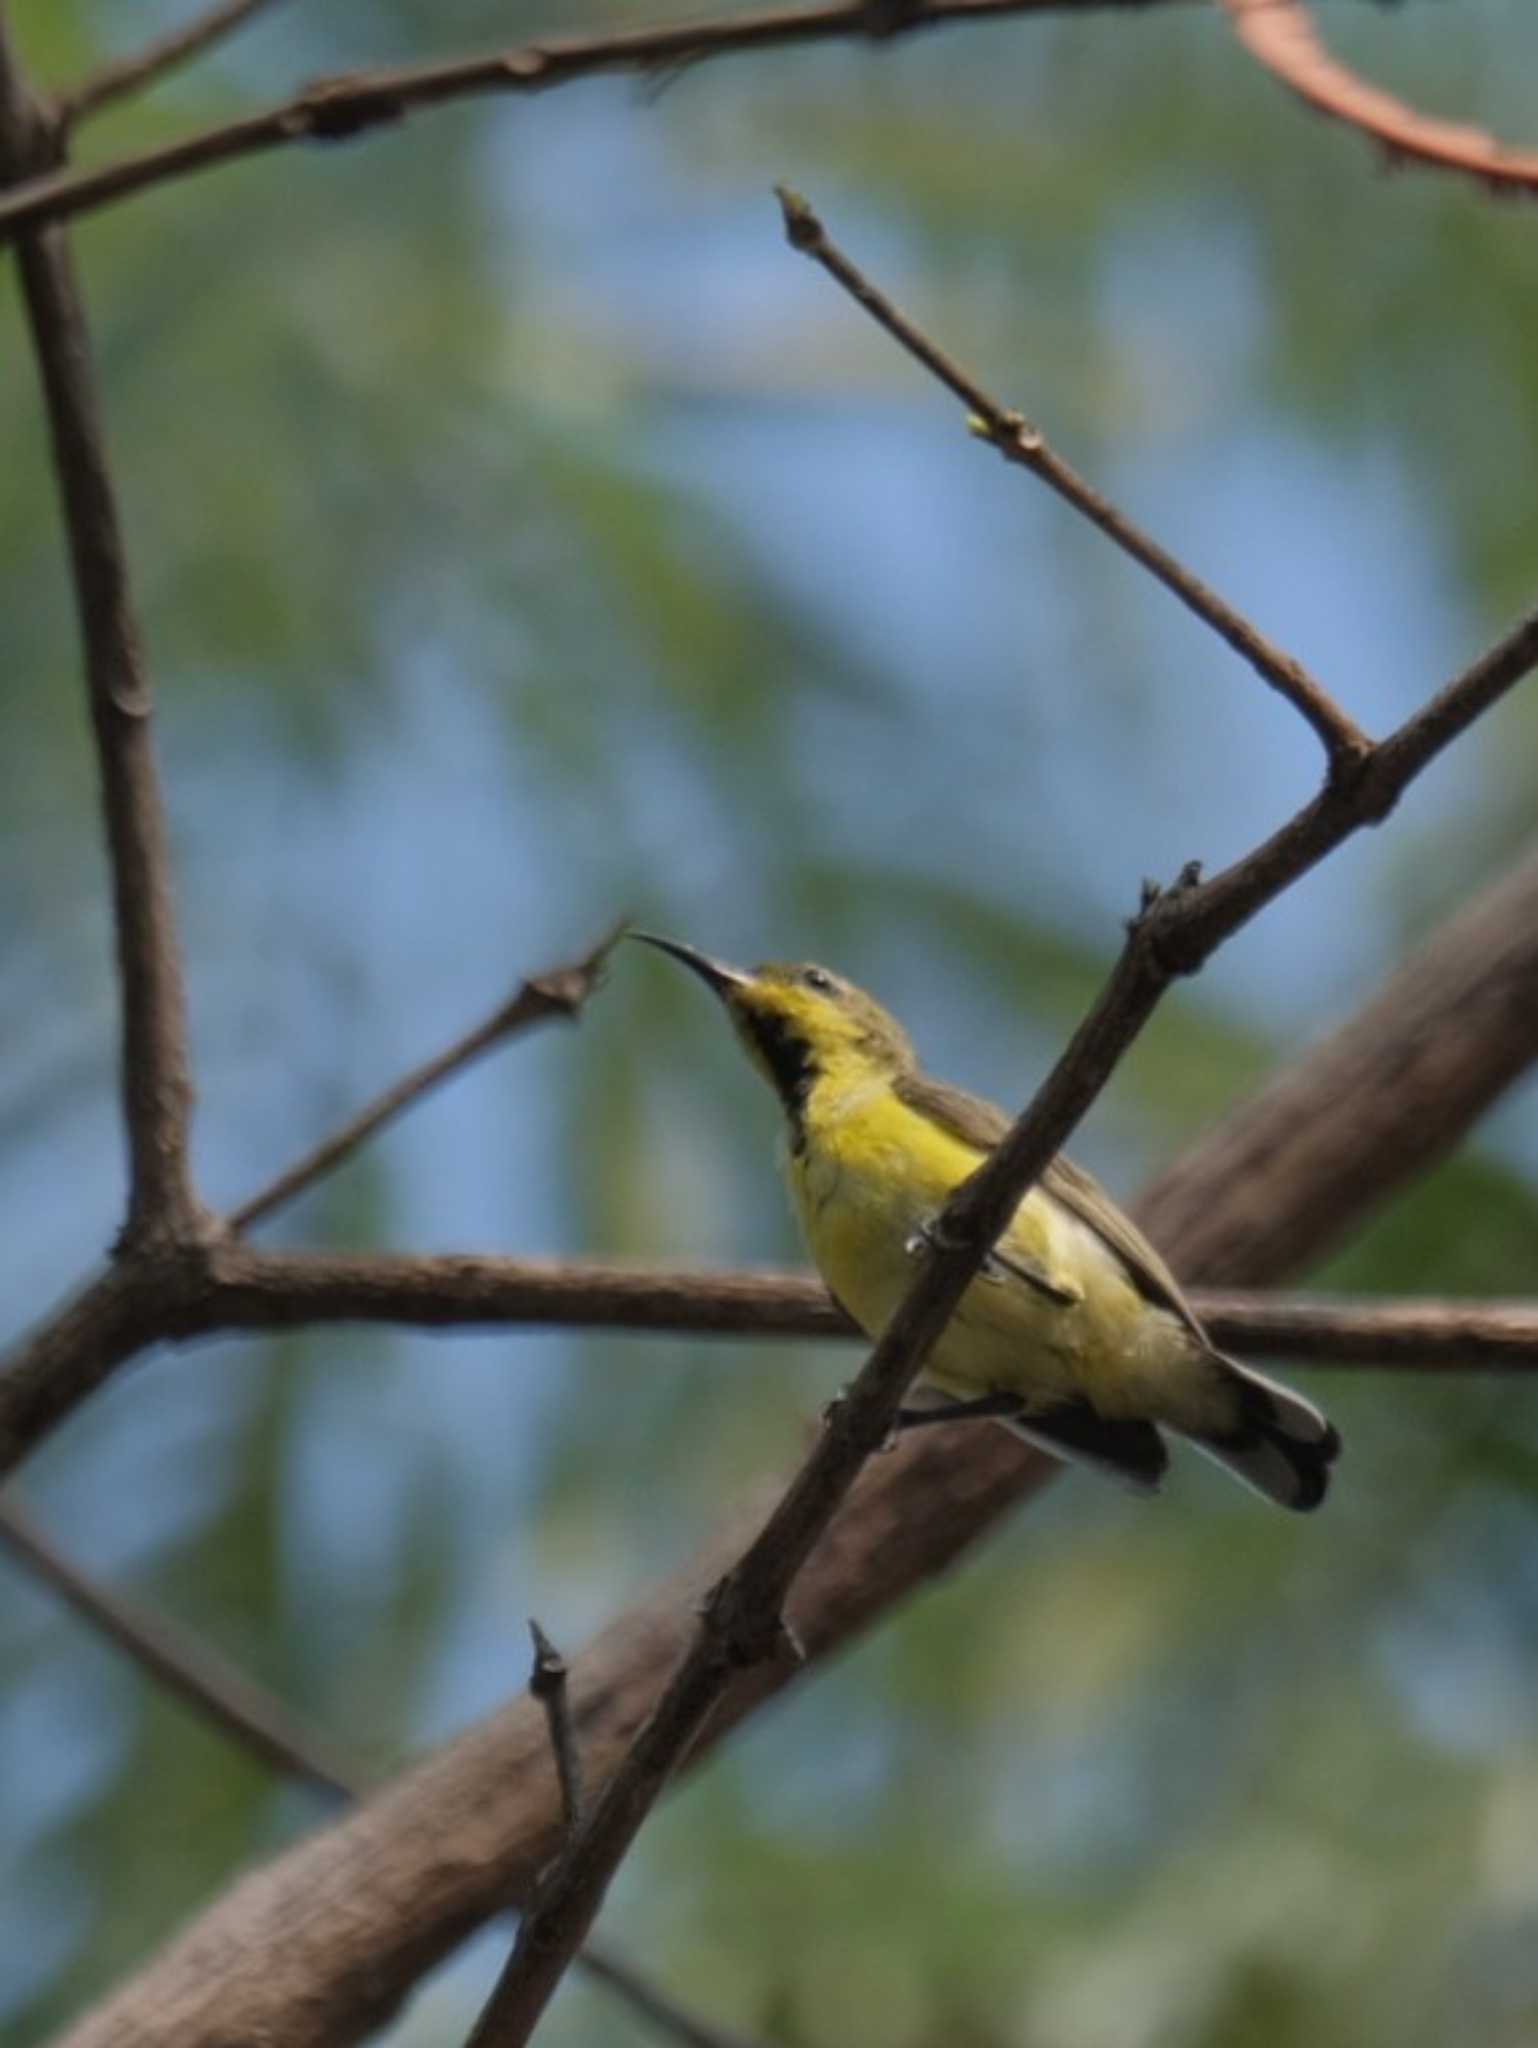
{"x": 1282, "y": 1445}
{"x": 1132, "y": 1453}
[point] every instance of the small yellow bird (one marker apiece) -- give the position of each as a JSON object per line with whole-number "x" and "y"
{"x": 1075, "y": 1333}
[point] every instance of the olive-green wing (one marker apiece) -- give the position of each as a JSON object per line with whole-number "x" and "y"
{"x": 975, "y": 1122}
{"x": 982, "y": 1125}
{"x": 1082, "y": 1193}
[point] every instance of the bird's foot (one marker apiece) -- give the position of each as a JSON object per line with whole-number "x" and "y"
{"x": 983, "y": 1407}
{"x": 932, "y": 1236}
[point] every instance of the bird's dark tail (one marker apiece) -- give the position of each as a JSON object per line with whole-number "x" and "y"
{"x": 1281, "y": 1445}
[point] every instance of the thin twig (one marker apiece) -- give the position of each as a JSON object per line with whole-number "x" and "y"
{"x": 670, "y": 2019}
{"x": 260, "y": 1723}
{"x": 155, "y": 1075}
{"x": 186, "y": 1665}
{"x": 547, "y": 1682}
{"x": 337, "y": 109}
{"x": 1280, "y": 35}
{"x": 559, "y": 992}
{"x": 146, "y": 67}
{"x": 1018, "y": 441}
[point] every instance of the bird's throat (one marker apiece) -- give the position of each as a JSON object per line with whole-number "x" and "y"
{"x": 788, "y": 1061}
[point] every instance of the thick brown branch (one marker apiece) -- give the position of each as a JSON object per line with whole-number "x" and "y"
{"x": 1463, "y": 1038}
{"x": 559, "y": 992}
{"x": 262, "y": 1725}
{"x": 336, "y": 109}
{"x": 1017, "y": 441}
{"x": 71, "y": 1352}
{"x": 1280, "y": 35}
{"x": 155, "y": 1074}
{"x": 143, "y": 68}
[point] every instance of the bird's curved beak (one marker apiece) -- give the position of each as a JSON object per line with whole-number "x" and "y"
{"x": 716, "y": 975}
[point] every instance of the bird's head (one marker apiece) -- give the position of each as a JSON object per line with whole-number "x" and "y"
{"x": 801, "y": 1024}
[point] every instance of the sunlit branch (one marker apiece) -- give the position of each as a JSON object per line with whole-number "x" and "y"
{"x": 1280, "y": 35}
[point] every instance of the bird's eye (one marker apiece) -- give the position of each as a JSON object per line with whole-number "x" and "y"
{"x": 819, "y": 979}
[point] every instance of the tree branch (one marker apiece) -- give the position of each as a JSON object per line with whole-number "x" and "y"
{"x": 277, "y": 1290}
{"x": 237, "y": 1288}
{"x": 1016, "y": 440}
{"x": 1464, "y": 1035}
{"x": 1179, "y": 929}
{"x": 262, "y": 1725}
{"x": 547, "y": 1684}
{"x": 337, "y": 109}
{"x": 320, "y": 1945}
{"x": 1280, "y": 35}
{"x": 131, "y": 74}
{"x": 171, "y": 1292}
{"x": 185, "y": 1665}
{"x": 559, "y": 992}
{"x": 1403, "y": 1335}
{"x": 155, "y": 1076}
{"x": 68, "y": 1356}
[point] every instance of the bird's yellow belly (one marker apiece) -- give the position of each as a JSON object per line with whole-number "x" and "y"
{"x": 865, "y": 1186}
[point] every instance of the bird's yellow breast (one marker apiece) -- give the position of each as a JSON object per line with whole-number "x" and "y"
{"x": 870, "y": 1171}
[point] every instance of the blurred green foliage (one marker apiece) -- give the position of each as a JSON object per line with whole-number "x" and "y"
{"x": 524, "y": 535}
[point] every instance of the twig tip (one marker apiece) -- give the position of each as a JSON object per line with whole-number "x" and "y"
{"x": 548, "y": 1672}
{"x": 803, "y": 230}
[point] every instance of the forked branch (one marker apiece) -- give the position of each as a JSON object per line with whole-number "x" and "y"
{"x": 742, "y": 1624}
{"x": 175, "y": 1295}
{"x": 559, "y": 992}
{"x": 1018, "y": 441}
